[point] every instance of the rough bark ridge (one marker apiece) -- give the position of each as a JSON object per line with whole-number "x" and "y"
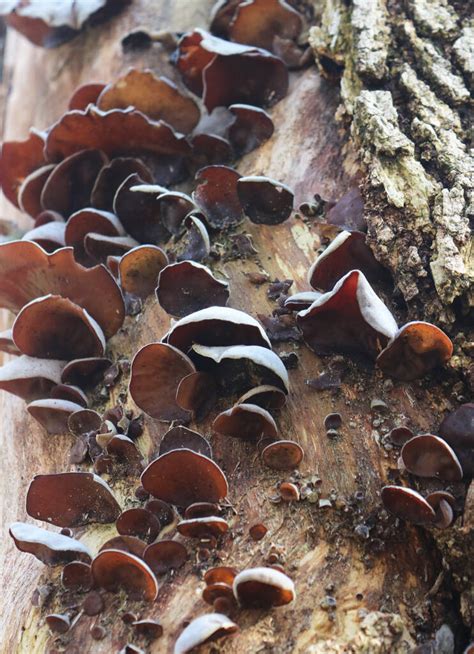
{"x": 407, "y": 70}
{"x": 366, "y": 584}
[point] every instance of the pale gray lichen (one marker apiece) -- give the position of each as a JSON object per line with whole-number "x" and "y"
{"x": 436, "y": 68}
{"x": 434, "y": 18}
{"x": 463, "y": 50}
{"x": 370, "y": 38}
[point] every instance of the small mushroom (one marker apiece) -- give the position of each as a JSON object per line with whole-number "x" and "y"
{"x": 265, "y": 201}
{"x": 443, "y": 504}
{"x": 289, "y": 492}
{"x": 457, "y": 429}
{"x": 430, "y": 456}
{"x": 77, "y": 576}
{"x": 18, "y": 160}
{"x": 85, "y": 95}
{"x": 71, "y": 499}
{"x": 263, "y": 588}
{"x": 333, "y": 421}
{"x": 163, "y": 511}
{"x": 150, "y": 629}
{"x": 246, "y": 421}
{"x": 348, "y": 251}
{"x": 159, "y": 365}
{"x": 414, "y": 350}
{"x": 205, "y": 527}
{"x": 187, "y": 286}
{"x": 266, "y": 396}
{"x": 210, "y": 149}
{"x": 407, "y": 504}
{"x": 216, "y": 196}
{"x": 85, "y": 373}
{"x": 130, "y": 544}
{"x": 53, "y": 415}
{"x": 216, "y": 326}
{"x": 30, "y": 378}
{"x": 140, "y": 523}
{"x": 282, "y": 455}
{"x": 87, "y": 220}
{"x": 84, "y": 421}
{"x": 213, "y": 592}
{"x": 167, "y": 478}
{"x": 53, "y": 327}
{"x": 156, "y": 97}
{"x": 69, "y": 393}
{"x": 29, "y": 193}
{"x": 58, "y": 623}
{"x": 180, "y": 437}
{"x": 252, "y": 126}
{"x": 115, "y": 569}
{"x": 99, "y": 247}
{"x": 197, "y": 393}
{"x": 174, "y": 207}
{"x": 112, "y": 176}
{"x": 196, "y": 245}
{"x": 201, "y": 510}
{"x": 204, "y": 629}
{"x": 350, "y": 318}
{"x": 258, "y": 22}
{"x": 257, "y": 531}
{"x": 47, "y": 546}
{"x": 400, "y": 435}
{"x": 220, "y": 575}
{"x": 165, "y": 555}
{"x": 139, "y": 269}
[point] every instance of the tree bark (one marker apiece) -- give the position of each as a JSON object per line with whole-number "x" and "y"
{"x": 394, "y": 584}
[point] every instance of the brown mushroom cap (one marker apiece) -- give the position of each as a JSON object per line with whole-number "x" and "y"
{"x": 217, "y": 326}
{"x": 53, "y": 414}
{"x": 85, "y": 373}
{"x": 212, "y": 592}
{"x": 239, "y": 367}
{"x": 69, "y": 186}
{"x": 263, "y": 588}
{"x": 226, "y": 73}
{"x": 165, "y": 555}
{"x": 196, "y": 245}
{"x": 197, "y": 393}
{"x": 30, "y": 378}
{"x": 216, "y": 196}
{"x": 18, "y": 160}
{"x": 58, "y": 623}
{"x": 289, "y": 492}
{"x": 443, "y": 503}
{"x": 140, "y": 523}
{"x": 430, "y": 456}
{"x": 252, "y": 127}
{"x": 348, "y": 251}
{"x": 115, "y": 569}
{"x": 112, "y": 176}
{"x": 221, "y": 16}
{"x": 204, "y": 527}
{"x": 150, "y": 629}
{"x": 28, "y": 272}
{"x": 48, "y": 547}
{"x": 70, "y": 393}
{"x": 201, "y": 510}
{"x": 174, "y": 207}
{"x": 159, "y": 365}
{"x": 206, "y": 628}
{"x": 71, "y": 499}
{"x": 400, "y": 435}
{"x": 90, "y": 220}
{"x": 140, "y": 268}
{"x": 187, "y": 287}
{"x": 77, "y": 576}
{"x": 100, "y": 247}
{"x": 414, "y": 350}
{"x": 85, "y": 95}
{"x": 210, "y": 150}
{"x": 457, "y": 429}
{"x": 180, "y": 437}
{"x": 29, "y": 193}
{"x": 266, "y": 396}
{"x": 349, "y": 318}
{"x": 257, "y": 22}
{"x": 138, "y": 207}
{"x": 183, "y": 477}
{"x": 407, "y": 504}
{"x": 115, "y": 132}
{"x": 220, "y": 575}
{"x": 282, "y": 455}
{"x": 129, "y": 544}
{"x": 246, "y": 421}
{"x": 258, "y": 531}
{"x": 53, "y": 327}
{"x": 265, "y": 201}
{"x": 157, "y": 97}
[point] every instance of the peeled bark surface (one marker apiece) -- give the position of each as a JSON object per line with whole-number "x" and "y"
{"x": 393, "y": 584}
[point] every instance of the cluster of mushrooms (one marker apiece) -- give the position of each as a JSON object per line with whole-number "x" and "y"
{"x": 109, "y": 232}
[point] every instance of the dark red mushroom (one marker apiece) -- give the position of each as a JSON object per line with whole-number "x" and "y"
{"x": 129, "y": 544}
{"x": 443, "y": 504}
{"x": 168, "y": 478}
{"x": 159, "y": 365}
{"x": 257, "y": 531}
{"x": 69, "y": 393}
{"x": 115, "y": 569}
{"x": 201, "y": 510}
{"x": 165, "y": 555}
{"x": 407, "y": 504}
{"x": 457, "y": 429}
{"x": 268, "y": 397}
{"x": 350, "y": 318}
{"x": 77, "y": 576}
{"x": 400, "y": 435}
{"x": 49, "y": 547}
{"x": 263, "y": 588}
{"x": 197, "y": 393}
{"x": 139, "y": 269}
{"x": 220, "y": 575}
{"x": 195, "y": 244}
{"x": 112, "y": 176}
{"x": 265, "y": 201}
{"x": 85, "y": 95}
{"x": 204, "y": 629}
{"x": 414, "y": 350}
{"x": 246, "y": 421}
{"x": 71, "y": 499}
{"x": 53, "y": 327}
{"x": 150, "y": 629}
{"x": 252, "y": 127}
{"x": 174, "y": 207}
{"x": 53, "y": 414}
{"x": 180, "y": 437}
{"x": 85, "y": 373}
{"x": 430, "y": 456}
{"x": 29, "y": 193}
{"x": 216, "y": 196}
{"x": 88, "y": 220}
{"x": 18, "y": 160}
{"x": 58, "y": 623}
{"x": 187, "y": 286}
{"x": 141, "y": 523}
{"x": 204, "y": 527}
{"x": 282, "y": 455}
{"x": 258, "y": 22}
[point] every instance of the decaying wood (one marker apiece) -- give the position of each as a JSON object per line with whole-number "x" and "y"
{"x": 393, "y": 584}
